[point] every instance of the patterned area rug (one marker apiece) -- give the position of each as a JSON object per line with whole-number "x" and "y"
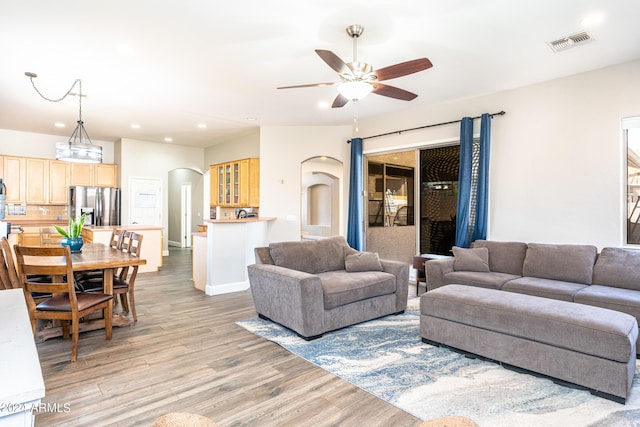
{"x": 386, "y": 358}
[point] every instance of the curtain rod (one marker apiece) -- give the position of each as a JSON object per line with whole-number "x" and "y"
{"x": 501, "y": 113}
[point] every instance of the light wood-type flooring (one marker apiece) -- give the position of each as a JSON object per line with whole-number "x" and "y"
{"x": 186, "y": 354}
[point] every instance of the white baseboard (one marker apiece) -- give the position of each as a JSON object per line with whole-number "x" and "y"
{"x": 226, "y": 288}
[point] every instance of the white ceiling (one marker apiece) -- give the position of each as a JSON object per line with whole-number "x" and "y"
{"x": 168, "y": 65}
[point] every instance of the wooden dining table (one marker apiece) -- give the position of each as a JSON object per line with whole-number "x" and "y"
{"x": 96, "y": 256}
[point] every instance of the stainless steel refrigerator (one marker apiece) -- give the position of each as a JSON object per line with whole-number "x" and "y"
{"x": 101, "y": 204}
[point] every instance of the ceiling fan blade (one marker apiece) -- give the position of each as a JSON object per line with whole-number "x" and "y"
{"x": 308, "y": 85}
{"x": 340, "y": 101}
{"x": 333, "y": 61}
{"x": 393, "y": 92}
{"x": 402, "y": 69}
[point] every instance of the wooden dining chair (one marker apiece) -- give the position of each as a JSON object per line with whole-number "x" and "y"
{"x": 64, "y": 304}
{"x": 124, "y": 279}
{"x": 115, "y": 242}
{"x": 8, "y": 273}
{"x": 49, "y": 237}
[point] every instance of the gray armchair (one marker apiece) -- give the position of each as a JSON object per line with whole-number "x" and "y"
{"x": 316, "y": 286}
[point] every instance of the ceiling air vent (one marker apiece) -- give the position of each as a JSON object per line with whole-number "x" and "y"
{"x": 570, "y": 41}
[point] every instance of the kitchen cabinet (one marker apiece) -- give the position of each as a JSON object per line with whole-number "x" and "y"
{"x": 94, "y": 175}
{"x": 235, "y": 183}
{"x": 46, "y": 181}
{"x": 58, "y": 182}
{"x": 13, "y": 169}
{"x": 37, "y": 181}
{"x": 105, "y": 175}
{"x": 31, "y": 236}
{"x": 81, "y": 174}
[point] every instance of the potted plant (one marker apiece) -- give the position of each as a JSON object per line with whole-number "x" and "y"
{"x": 73, "y": 237}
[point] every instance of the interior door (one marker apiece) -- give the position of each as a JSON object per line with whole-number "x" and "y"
{"x": 145, "y": 201}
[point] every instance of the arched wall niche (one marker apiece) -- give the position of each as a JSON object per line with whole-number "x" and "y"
{"x": 321, "y": 197}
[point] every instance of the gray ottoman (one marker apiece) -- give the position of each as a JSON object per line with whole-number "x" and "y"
{"x": 588, "y": 346}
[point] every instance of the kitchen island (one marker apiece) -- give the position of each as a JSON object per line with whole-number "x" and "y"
{"x": 151, "y": 242}
{"x": 230, "y": 245}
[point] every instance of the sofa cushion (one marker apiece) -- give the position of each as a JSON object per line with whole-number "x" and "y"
{"x": 341, "y": 287}
{"x": 554, "y": 289}
{"x": 624, "y": 300}
{"x": 569, "y": 263}
{"x": 490, "y": 280}
{"x": 310, "y": 256}
{"x": 476, "y": 259}
{"x": 362, "y": 261}
{"x": 619, "y": 268}
{"x": 504, "y": 257}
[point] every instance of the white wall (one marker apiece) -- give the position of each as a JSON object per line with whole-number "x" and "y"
{"x": 241, "y": 147}
{"x": 282, "y": 150}
{"x": 556, "y": 156}
{"x": 154, "y": 160}
{"x": 28, "y": 144}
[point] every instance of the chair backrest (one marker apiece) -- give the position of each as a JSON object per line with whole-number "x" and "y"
{"x": 51, "y": 262}
{"x": 116, "y": 238}
{"x": 125, "y": 241}
{"x": 9, "y": 264}
{"x": 132, "y": 246}
{"x": 49, "y": 237}
{"x": 135, "y": 244}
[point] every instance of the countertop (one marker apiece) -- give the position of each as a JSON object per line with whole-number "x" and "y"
{"x": 20, "y": 371}
{"x": 125, "y": 227}
{"x": 36, "y": 222}
{"x": 240, "y": 220}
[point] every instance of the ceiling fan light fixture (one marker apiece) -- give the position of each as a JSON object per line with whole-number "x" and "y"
{"x": 355, "y": 91}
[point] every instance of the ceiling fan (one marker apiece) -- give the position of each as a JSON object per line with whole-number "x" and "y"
{"x": 359, "y": 78}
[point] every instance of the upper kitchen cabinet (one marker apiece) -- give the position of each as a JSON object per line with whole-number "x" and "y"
{"x": 13, "y": 177}
{"x": 37, "y": 181}
{"x": 94, "y": 175}
{"x": 59, "y": 182}
{"x": 105, "y": 175}
{"x": 235, "y": 183}
{"x": 47, "y": 181}
{"x": 81, "y": 174}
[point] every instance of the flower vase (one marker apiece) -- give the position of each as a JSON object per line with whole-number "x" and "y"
{"x": 74, "y": 243}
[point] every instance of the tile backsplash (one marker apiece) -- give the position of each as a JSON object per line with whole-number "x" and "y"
{"x": 44, "y": 212}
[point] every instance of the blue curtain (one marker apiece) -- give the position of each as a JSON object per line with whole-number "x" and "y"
{"x": 355, "y": 220}
{"x": 482, "y": 198}
{"x": 464, "y": 182}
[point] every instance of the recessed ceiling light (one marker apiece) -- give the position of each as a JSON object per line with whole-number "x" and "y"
{"x": 592, "y": 20}
{"x": 135, "y": 126}
{"x": 251, "y": 119}
{"x": 202, "y": 125}
{"x": 59, "y": 125}
{"x": 323, "y": 105}
{"x": 167, "y": 139}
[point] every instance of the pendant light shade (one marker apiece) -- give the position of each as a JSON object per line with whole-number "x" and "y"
{"x": 79, "y": 148}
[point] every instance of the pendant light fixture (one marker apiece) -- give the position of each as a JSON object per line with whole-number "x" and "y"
{"x": 79, "y": 147}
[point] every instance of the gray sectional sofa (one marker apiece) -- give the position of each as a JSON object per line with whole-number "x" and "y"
{"x": 575, "y": 273}
{"x": 316, "y": 286}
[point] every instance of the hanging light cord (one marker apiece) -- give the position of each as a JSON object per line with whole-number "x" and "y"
{"x": 77, "y": 81}
{"x": 82, "y": 132}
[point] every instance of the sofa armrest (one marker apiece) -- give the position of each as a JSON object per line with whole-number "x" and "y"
{"x": 292, "y": 298}
{"x": 436, "y": 269}
{"x": 401, "y": 271}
